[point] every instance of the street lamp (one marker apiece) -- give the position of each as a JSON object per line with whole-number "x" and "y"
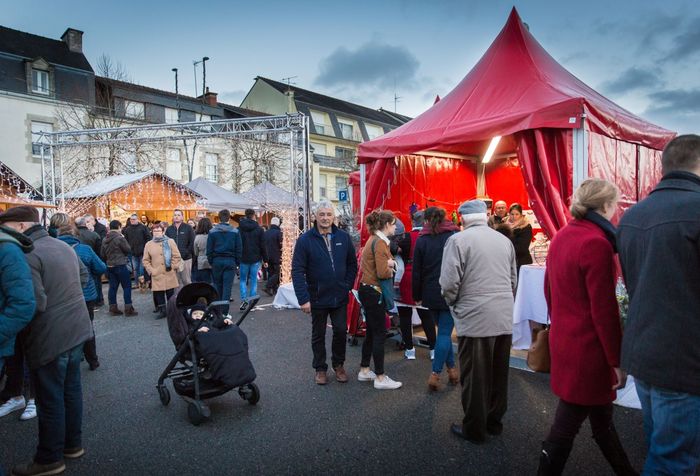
{"x": 203, "y": 61}
{"x": 177, "y": 95}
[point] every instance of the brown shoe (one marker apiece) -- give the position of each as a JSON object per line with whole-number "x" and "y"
{"x": 129, "y": 310}
{"x": 434, "y": 382}
{"x": 114, "y": 310}
{"x": 340, "y": 374}
{"x": 453, "y": 375}
{"x": 36, "y": 469}
{"x": 321, "y": 377}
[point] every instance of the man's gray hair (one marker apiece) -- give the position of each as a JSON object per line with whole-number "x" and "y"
{"x": 324, "y": 204}
{"x": 81, "y": 221}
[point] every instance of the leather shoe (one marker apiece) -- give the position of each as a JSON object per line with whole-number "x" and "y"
{"x": 340, "y": 374}
{"x": 321, "y": 377}
{"x": 456, "y": 428}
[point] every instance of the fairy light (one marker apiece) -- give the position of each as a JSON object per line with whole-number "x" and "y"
{"x": 290, "y": 233}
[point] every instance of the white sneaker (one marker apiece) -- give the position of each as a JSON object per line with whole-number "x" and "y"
{"x": 432, "y": 354}
{"x": 410, "y": 354}
{"x": 29, "y": 411}
{"x": 366, "y": 376}
{"x": 12, "y": 405}
{"x": 386, "y": 384}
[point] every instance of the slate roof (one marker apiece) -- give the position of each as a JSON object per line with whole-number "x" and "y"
{"x": 338, "y": 105}
{"x": 31, "y": 46}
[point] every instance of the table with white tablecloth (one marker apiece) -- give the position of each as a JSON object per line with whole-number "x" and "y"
{"x": 530, "y": 304}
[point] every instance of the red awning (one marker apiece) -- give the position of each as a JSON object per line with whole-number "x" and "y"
{"x": 516, "y": 86}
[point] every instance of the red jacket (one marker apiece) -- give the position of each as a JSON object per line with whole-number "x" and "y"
{"x": 586, "y": 333}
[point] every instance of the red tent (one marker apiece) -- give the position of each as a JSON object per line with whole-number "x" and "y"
{"x": 556, "y": 131}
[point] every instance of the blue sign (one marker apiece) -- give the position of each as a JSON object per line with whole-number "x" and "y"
{"x": 342, "y": 195}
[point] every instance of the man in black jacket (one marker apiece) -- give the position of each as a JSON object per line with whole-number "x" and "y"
{"x": 137, "y": 236}
{"x": 273, "y": 245}
{"x": 92, "y": 239}
{"x": 183, "y": 235}
{"x": 659, "y": 246}
{"x": 253, "y": 254}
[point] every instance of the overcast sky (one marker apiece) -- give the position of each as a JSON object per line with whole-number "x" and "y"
{"x": 644, "y": 55}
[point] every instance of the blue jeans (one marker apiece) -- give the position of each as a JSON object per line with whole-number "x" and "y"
{"x": 119, "y": 275}
{"x": 444, "y": 352}
{"x": 223, "y": 272}
{"x": 672, "y": 430}
{"x": 249, "y": 272}
{"x": 136, "y": 265}
{"x": 59, "y": 403}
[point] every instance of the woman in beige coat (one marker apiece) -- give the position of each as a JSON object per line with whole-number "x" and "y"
{"x": 161, "y": 259}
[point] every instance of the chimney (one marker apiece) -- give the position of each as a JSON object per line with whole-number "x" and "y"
{"x": 74, "y": 39}
{"x": 210, "y": 98}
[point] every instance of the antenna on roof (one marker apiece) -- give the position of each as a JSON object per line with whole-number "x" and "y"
{"x": 396, "y": 97}
{"x": 289, "y": 80}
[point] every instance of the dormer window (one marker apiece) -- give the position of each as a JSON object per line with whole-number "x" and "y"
{"x": 40, "y": 82}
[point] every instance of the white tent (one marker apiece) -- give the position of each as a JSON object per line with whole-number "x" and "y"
{"x": 269, "y": 197}
{"x": 217, "y": 198}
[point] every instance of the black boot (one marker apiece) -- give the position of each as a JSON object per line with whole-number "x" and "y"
{"x": 161, "y": 312}
{"x": 553, "y": 458}
{"x": 611, "y": 447}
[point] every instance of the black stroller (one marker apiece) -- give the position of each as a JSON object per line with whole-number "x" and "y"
{"x": 194, "y": 378}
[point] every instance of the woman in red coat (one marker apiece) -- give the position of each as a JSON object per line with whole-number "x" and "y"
{"x": 585, "y": 335}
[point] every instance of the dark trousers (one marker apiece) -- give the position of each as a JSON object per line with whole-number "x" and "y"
{"x": 160, "y": 297}
{"x": 90, "y": 349}
{"x": 406, "y": 324}
{"x": 223, "y": 272}
{"x": 570, "y": 417}
{"x": 98, "y": 286}
{"x": 375, "y": 317}
{"x": 202, "y": 276}
{"x": 18, "y": 381}
{"x": 273, "y": 276}
{"x": 59, "y": 399}
{"x": 119, "y": 275}
{"x": 319, "y": 318}
{"x": 484, "y": 366}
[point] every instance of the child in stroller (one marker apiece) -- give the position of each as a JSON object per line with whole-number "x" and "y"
{"x": 212, "y": 351}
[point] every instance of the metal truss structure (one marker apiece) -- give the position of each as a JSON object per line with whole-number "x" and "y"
{"x": 290, "y": 130}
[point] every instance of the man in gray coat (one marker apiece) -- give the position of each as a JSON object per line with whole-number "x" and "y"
{"x": 54, "y": 344}
{"x": 478, "y": 280}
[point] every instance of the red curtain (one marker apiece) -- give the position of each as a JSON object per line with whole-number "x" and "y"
{"x": 504, "y": 181}
{"x": 545, "y": 157}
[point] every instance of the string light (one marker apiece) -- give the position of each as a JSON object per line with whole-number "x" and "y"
{"x": 290, "y": 234}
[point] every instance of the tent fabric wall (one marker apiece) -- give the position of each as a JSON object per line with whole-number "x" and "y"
{"x": 648, "y": 171}
{"x": 504, "y": 181}
{"x": 545, "y": 157}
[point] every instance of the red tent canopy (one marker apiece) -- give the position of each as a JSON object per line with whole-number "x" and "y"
{"x": 516, "y": 86}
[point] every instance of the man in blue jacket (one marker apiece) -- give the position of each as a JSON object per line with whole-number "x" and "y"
{"x": 224, "y": 255}
{"x": 659, "y": 245}
{"x": 323, "y": 272}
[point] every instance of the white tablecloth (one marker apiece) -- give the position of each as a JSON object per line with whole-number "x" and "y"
{"x": 530, "y": 304}
{"x": 285, "y": 297}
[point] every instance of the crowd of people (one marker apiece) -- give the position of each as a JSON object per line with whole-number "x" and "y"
{"x": 462, "y": 278}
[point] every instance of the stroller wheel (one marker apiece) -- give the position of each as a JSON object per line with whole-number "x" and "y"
{"x": 250, "y": 392}
{"x": 197, "y": 412}
{"x": 164, "y": 395}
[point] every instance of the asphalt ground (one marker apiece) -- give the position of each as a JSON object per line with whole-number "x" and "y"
{"x": 297, "y": 427}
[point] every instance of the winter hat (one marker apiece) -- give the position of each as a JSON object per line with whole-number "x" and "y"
{"x": 418, "y": 219}
{"x": 400, "y": 228}
{"x": 21, "y": 213}
{"x": 471, "y": 207}
{"x": 275, "y": 221}
{"x": 198, "y": 307}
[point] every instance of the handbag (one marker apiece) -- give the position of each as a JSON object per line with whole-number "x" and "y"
{"x": 538, "y": 358}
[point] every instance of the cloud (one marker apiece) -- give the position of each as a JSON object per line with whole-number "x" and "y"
{"x": 632, "y": 79}
{"x": 372, "y": 64}
{"x": 232, "y": 97}
{"x": 687, "y": 43}
{"x": 676, "y": 109}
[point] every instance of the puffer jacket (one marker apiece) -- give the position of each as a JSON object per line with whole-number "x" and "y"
{"x": 17, "y": 302}
{"x": 115, "y": 249}
{"x": 94, "y": 264}
{"x": 252, "y": 236}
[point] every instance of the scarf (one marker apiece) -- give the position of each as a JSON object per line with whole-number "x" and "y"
{"x": 521, "y": 223}
{"x": 167, "y": 252}
{"x": 607, "y": 227}
{"x": 445, "y": 226}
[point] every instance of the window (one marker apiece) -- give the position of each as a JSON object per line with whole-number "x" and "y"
{"x": 134, "y": 109}
{"x": 37, "y": 128}
{"x": 40, "y": 81}
{"x": 203, "y": 117}
{"x": 341, "y": 183}
{"x": 319, "y": 149}
{"x": 346, "y": 130}
{"x": 171, "y": 116}
{"x": 346, "y": 155}
{"x": 212, "y": 170}
{"x": 323, "y": 185}
{"x": 173, "y": 167}
{"x": 373, "y": 131}
{"x": 320, "y": 123}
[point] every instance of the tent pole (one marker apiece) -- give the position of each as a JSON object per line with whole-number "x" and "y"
{"x": 580, "y": 153}
{"x": 363, "y": 192}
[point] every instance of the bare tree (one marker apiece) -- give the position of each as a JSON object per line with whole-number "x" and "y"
{"x": 253, "y": 160}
